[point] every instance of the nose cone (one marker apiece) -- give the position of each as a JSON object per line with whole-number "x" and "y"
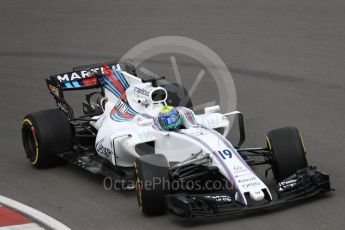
{"x": 257, "y": 195}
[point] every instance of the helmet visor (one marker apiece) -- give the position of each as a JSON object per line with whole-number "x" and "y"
{"x": 170, "y": 118}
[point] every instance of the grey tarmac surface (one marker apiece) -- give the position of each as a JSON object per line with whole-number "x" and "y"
{"x": 286, "y": 58}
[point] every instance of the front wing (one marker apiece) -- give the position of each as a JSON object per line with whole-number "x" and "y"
{"x": 305, "y": 183}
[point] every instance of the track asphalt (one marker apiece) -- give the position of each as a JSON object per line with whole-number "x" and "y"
{"x": 286, "y": 58}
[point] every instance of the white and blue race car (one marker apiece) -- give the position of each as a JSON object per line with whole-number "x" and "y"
{"x": 189, "y": 170}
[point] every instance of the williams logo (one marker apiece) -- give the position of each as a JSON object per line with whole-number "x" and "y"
{"x": 121, "y": 107}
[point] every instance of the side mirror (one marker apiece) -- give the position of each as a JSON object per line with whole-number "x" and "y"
{"x": 240, "y": 126}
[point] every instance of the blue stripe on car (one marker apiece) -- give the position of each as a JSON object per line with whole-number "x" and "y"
{"x": 76, "y": 84}
{"x": 68, "y": 85}
{"x": 121, "y": 78}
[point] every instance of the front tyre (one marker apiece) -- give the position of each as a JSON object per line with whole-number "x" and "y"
{"x": 45, "y": 134}
{"x": 152, "y": 183}
{"x": 288, "y": 152}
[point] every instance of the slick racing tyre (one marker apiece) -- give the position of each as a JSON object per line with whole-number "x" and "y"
{"x": 152, "y": 183}
{"x": 129, "y": 68}
{"x": 288, "y": 152}
{"x": 45, "y": 134}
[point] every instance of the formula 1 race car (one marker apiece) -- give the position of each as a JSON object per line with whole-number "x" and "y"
{"x": 178, "y": 162}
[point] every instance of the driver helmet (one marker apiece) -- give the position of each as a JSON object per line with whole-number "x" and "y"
{"x": 169, "y": 118}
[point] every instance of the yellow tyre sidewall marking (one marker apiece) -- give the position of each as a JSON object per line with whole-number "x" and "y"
{"x": 28, "y": 122}
{"x": 303, "y": 146}
{"x": 305, "y": 151}
{"x": 138, "y": 187}
{"x": 268, "y": 144}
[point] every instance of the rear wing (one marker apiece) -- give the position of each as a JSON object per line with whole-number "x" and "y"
{"x": 81, "y": 78}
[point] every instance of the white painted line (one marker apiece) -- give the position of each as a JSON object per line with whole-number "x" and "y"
{"x": 33, "y": 213}
{"x": 22, "y": 227}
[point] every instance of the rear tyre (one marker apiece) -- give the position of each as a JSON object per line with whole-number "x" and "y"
{"x": 288, "y": 152}
{"x": 129, "y": 68}
{"x": 152, "y": 183}
{"x": 45, "y": 134}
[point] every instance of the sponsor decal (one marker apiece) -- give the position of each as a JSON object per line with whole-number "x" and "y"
{"x": 63, "y": 107}
{"x": 77, "y": 75}
{"x": 246, "y": 180}
{"x": 243, "y": 175}
{"x": 251, "y": 184}
{"x": 54, "y": 90}
{"x": 219, "y": 198}
{"x": 284, "y": 185}
{"x": 238, "y": 168}
{"x": 141, "y": 91}
{"x": 121, "y": 107}
{"x": 103, "y": 150}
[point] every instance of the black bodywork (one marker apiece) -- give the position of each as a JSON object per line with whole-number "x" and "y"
{"x": 185, "y": 204}
{"x": 305, "y": 183}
